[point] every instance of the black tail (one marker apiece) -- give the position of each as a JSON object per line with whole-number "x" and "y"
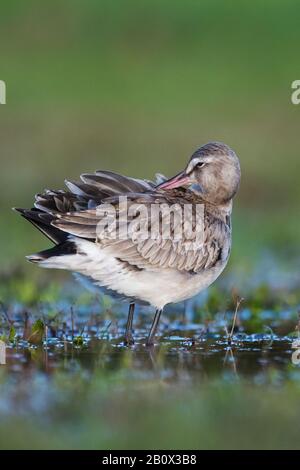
{"x": 42, "y": 221}
{"x": 65, "y": 248}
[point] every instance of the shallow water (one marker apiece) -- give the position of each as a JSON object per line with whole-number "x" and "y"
{"x": 248, "y": 351}
{"x": 73, "y": 384}
{"x": 188, "y": 354}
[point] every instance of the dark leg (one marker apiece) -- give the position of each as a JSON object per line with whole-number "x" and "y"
{"x": 128, "y": 341}
{"x": 153, "y": 329}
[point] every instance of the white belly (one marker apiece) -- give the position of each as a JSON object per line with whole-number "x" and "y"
{"x": 156, "y": 286}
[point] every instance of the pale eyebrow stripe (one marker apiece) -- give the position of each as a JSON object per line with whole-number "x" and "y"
{"x": 193, "y": 163}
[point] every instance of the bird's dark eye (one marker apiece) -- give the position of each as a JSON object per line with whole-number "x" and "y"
{"x": 200, "y": 164}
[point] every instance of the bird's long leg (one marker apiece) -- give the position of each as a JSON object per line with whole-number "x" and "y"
{"x": 128, "y": 340}
{"x": 153, "y": 329}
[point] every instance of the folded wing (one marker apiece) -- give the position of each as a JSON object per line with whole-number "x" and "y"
{"x": 140, "y": 245}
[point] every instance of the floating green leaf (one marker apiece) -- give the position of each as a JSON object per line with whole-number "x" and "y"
{"x": 12, "y": 334}
{"x": 37, "y": 332}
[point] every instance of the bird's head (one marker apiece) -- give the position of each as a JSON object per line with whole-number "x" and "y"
{"x": 212, "y": 171}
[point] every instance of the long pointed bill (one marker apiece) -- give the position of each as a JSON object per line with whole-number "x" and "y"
{"x": 176, "y": 182}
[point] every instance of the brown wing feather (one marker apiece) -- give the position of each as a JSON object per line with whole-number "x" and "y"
{"x": 81, "y": 196}
{"x": 180, "y": 254}
{"x": 89, "y": 192}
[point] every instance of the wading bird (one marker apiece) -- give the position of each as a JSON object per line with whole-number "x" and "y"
{"x": 155, "y": 270}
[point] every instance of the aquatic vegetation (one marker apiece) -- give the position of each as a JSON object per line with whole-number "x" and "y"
{"x": 67, "y": 372}
{"x": 135, "y": 95}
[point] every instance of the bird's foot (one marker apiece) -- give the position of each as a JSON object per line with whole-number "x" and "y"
{"x": 128, "y": 340}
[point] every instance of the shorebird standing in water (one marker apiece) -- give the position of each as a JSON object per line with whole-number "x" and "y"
{"x": 150, "y": 270}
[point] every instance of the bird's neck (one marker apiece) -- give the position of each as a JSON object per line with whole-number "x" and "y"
{"x": 221, "y": 211}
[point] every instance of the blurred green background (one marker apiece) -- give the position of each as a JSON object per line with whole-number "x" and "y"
{"x": 134, "y": 86}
